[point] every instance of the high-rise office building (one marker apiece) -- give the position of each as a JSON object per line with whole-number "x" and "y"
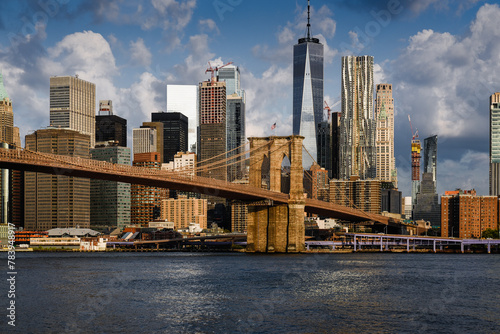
{"x": 324, "y": 134}
{"x": 158, "y": 126}
{"x": 175, "y": 133}
{"x": 57, "y": 201}
{"x": 358, "y": 126}
{"x": 236, "y": 137}
{"x": 427, "y": 201}
{"x": 145, "y": 200}
{"x": 144, "y": 140}
{"x": 336, "y": 118}
{"x": 308, "y": 91}
{"x": 11, "y": 181}
{"x": 430, "y": 157}
{"x": 6, "y": 116}
{"x": 384, "y": 115}
{"x": 72, "y": 105}
{"x": 361, "y": 194}
{"x": 230, "y": 74}
{"x": 109, "y": 127}
{"x": 109, "y": 200}
{"x": 495, "y": 144}
{"x": 184, "y": 99}
{"x": 212, "y": 127}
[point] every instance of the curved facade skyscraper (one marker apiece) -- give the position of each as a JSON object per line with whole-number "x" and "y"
{"x": 358, "y": 126}
{"x": 308, "y": 92}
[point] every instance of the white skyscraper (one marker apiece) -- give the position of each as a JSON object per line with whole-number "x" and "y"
{"x": 144, "y": 140}
{"x": 184, "y": 99}
{"x": 72, "y": 105}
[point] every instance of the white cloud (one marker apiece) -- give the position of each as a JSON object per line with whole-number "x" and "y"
{"x": 444, "y": 81}
{"x": 208, "y": 25}
{"x": 264, "y": 101}
{"x": 471, "y": 171}
{"x": 139, "y": 53}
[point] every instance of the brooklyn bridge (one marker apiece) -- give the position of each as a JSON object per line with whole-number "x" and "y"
{"x": 275, "y": 221}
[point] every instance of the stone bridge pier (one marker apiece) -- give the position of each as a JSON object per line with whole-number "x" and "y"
{"x": 270, "y": 227}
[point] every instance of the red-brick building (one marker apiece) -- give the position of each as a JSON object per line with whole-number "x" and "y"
{"x": 466, "y": 215}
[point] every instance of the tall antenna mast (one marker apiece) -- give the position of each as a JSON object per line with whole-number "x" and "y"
{"x": 308, "y": 19}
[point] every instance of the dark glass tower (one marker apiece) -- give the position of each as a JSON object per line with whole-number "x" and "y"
{"x": 175, "y": 133}
{"x": 308, "y": 91}
{"x": 325, "y": 146}
{"x": 430, "y": 156}
{"x": 109, "y": 127}
{"x": 235, "y": 135}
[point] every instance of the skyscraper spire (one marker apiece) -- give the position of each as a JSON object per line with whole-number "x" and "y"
{"x": 308, "y": 19}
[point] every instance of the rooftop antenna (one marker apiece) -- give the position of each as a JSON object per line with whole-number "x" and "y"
{"x": 308, "y": 19}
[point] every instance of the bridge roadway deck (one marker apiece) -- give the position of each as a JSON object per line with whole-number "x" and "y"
{"x": 26, "y": 160}
{"x": 385, "y": 241}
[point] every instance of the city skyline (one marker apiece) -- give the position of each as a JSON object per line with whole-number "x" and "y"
{"x": 430, "y": 61}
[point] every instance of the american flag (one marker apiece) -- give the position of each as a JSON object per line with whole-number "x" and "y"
{"x": 273, "y": 126}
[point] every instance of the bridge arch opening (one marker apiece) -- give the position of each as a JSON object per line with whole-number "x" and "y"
{"x": 285, "y": 174}
{"x": 265, "y": 173}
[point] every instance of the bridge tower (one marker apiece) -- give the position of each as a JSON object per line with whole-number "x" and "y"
{"x": 276, "y": 228}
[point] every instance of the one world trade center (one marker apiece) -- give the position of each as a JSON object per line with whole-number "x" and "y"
{"x": 308, "y": 91}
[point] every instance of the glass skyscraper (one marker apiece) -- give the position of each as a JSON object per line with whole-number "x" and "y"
{"x": 308, "y": 92}
{"x": 109, "y": 127}
{"x": 175, "y": 133}
{"x": 430, "y": 156}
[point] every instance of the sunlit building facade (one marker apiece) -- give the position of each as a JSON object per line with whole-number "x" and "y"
{"x": 384, "y": 115}
{"x": 57, "y": 201}
{"x": 358, "y": 126}
{"x": 72, "y": 105}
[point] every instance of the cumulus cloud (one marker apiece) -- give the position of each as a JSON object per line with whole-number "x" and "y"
{"x": 470, "y": 172}
{"x": 323, "y": 28}
{"x": 139, "y": 53}
{"x": 444, "y": 81}
{"x": 264, "y": 94}
{"x": 208, "y": 25}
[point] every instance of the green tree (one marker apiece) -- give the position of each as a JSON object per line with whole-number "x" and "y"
{"x": 490, "y": 233}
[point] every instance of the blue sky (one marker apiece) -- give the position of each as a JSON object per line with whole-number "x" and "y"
{"x": 440, "y": 55}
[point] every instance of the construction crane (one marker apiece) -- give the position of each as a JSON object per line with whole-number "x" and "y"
{"x": 413, "y": 135}
{"x": 327, "y": 107}
{"x": 215, "y": 69}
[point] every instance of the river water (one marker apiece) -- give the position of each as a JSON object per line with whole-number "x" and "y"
{"x": 245, "y": 293}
